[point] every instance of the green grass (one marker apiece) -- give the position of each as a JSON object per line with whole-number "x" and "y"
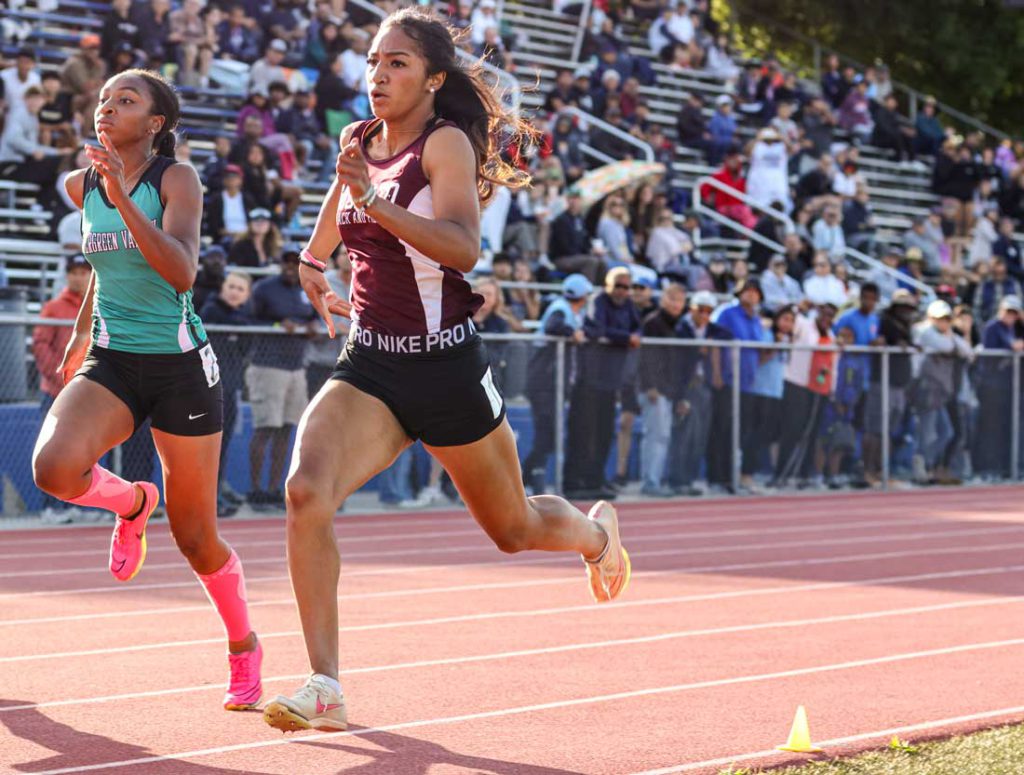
{"x": 993, "y": 752}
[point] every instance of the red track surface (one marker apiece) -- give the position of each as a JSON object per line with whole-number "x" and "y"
{"x": 879, "y": 613}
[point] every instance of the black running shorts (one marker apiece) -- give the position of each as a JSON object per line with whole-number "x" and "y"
{"x": 180, "y": 392}
{"x": 446, "y": 398}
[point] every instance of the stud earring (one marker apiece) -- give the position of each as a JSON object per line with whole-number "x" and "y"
{"x": 432, "y": 90}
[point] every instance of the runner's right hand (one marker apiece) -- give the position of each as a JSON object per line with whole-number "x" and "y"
{"x": 325, "y": 301}
{"x": 74, "y": 356}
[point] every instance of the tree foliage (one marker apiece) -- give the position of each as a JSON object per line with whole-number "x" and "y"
{"x": 968, "y": 53}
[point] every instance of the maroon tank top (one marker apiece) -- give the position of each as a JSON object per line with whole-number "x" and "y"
{"x": 395, "y": 288}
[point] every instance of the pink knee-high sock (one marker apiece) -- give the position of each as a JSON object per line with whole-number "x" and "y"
{"x": 107, "y": 491}
{"x": 226, "y": 590}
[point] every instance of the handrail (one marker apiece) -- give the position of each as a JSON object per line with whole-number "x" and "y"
{"x": 818, "y": 48}
{"x": 601, "y": 156}
{"x": 862, "y": 258}
{"x": 581, "y": 30}
{"x": 511, "y": 90}
{"x": 587, "y": 119}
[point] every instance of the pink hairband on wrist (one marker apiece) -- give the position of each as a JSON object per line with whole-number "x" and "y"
{"x": 308, "y": 258}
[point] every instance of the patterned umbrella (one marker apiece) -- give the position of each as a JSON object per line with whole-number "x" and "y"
{"x": 597, "y": 184}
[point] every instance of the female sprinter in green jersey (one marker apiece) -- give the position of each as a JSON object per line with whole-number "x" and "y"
{"x": 139, "y": 351}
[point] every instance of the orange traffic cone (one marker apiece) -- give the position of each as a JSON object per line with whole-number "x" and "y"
{"x": 800, "y": 735}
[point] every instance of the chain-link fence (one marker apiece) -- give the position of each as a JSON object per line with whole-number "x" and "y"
{"x": 672, "y": 417}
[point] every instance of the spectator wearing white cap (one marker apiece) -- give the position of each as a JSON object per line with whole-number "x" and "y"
{"x": 935, "y": 389}
{"x": 722, "y": 128}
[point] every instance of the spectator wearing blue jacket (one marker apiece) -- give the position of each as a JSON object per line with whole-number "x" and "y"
{"x": 743, "y": 321}
{"x": 607, "y": 362}
{"x": 770, "y": 379}
{"x": 722, "y": 128}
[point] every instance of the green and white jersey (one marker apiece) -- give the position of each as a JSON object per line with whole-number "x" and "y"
{"x": 135, "y": 310}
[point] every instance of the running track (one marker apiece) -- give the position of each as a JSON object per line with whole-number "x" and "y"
{"x": 882, "y": 614}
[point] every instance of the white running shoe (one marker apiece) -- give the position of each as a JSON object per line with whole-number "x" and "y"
{"x": 315, "y": 706}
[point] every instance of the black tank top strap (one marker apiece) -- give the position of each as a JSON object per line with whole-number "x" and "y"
{"x": 154, "y": 174}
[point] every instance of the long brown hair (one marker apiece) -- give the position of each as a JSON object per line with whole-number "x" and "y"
{"x": 468, "y": 101}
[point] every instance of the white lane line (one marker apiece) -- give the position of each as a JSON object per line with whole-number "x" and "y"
{"x": 482, "y": 545}
{"x": 637, "y": 574}
{"x": 924, "y": 726}
{"x": 401, "y": 593}
{"x": 752, "y": 510}
{"x": 555, "y": 705}
{"x": 783, "y": 624}
{"x": 477, "y": 533}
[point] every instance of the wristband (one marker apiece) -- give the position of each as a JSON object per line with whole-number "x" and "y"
{"x": 368, "y": 196}
{"x": 307, "y": 258}
{"x": 368, "y": 200}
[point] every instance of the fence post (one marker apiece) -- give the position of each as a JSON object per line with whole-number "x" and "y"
{"x": 817, "y": 60}
{"x": 559, "y": 413}
{"x": 1015, "y": 421}
{"x": 912, "y": 107}
{"x": 885, "y": 419}
{"x": 734, "y": 443}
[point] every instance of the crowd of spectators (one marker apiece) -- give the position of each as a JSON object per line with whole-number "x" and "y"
{"x": 787, "y": 169}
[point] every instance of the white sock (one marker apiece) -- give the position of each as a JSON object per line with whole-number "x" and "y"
{"x": 332, "y": 682}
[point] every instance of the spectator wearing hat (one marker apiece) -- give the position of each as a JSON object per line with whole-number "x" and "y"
{"x": 563, "y": 317}
{"x": 743, "y": 322}
{"x": 701, "y": 369}
{"x": 888, "y": 280}
{"x": 724, "y": 201}
{"x": 827, "y": 233}
{"x": 260, "y": 245}
{"x": 236, "y": 38}
{"x": 229, "y": 307}
{"x": 227, "y": 211}
{"x": 934, "y": 389}
{"x": 823, "y": 286}
{"x": 809, "y": 382}
{"x": 276, "y": 378}
{"x": 22, "y": 157}
{"x": 269, "y": 68}
{"x": 895, "y": 329}
{"x": 210, "y": 276}
{"x": 661, "y": 388}
{"x": 569, "y": 243}
{"x": 780, "y": 290}
{"x": 993, "y": 289}
{"x": 1007, "y": 248}
{"x": 83, "y": 75}
{"x": 722, "y": 128}
{"x": 607, "y": 363}
{"x": 16, "y": 80}
{"x": 995, "y": 390}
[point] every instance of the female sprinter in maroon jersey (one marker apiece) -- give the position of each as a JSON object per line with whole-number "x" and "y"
{"x": 406, "y": 203}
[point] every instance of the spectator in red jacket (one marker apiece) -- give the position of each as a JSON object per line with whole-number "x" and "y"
{"x": 49, "y": 342}
{"x": 731, "y": 174}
